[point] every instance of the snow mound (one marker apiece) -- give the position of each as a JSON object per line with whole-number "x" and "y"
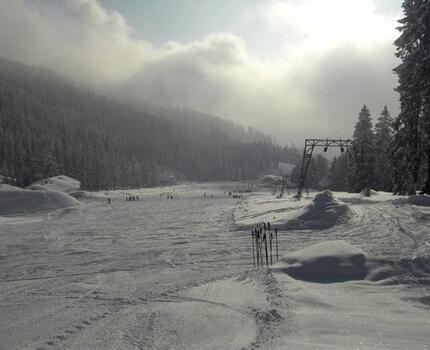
{"x": 322, "y": 212}
{"x": 332, "y": 261}
{"x": 81, "y": 194}
{"x": 15, "y": 200}
{"x": 60, "y": 183}
{"x": 420, "y": 200}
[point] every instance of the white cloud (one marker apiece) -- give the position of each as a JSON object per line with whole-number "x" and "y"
{"x": 323, "y": 23}
{"x": 334, "y": 56}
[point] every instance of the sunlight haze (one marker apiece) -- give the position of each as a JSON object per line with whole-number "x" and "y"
{"x": 280, "y": 66}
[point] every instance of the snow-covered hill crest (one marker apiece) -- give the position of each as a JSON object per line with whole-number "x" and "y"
{"x": 16, "y": 200}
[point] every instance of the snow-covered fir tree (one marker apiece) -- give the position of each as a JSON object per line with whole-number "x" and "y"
{"x": 412, "y": 126}
{"x": 363, "y": 148}
{"x": 383, "y": 144}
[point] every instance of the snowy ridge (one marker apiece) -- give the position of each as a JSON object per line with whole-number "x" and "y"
{"x": 60, "y": 183}
{"x": 15, "y": 200}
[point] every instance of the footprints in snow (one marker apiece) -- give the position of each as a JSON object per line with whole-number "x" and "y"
{"x": 56, "y": 340}
{"x": 271, "y": 322}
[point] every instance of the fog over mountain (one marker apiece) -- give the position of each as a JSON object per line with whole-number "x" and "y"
{"x": 317, "y": 73}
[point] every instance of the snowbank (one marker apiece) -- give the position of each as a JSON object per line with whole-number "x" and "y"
{"x": 15, "y": 200}
{"x": 322, "y": 212}
{"x": 332, "y": 261}
{"x": 60, "y": 183}
{"x": 421, "y": 200}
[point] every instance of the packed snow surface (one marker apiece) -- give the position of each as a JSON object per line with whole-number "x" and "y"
{"x": 15, "y": 200}
{"x": 353, "y": 315}
{"x": 331, "y": 261}
{"x": 173, "y": 271}
{"x": 60, "y": 183}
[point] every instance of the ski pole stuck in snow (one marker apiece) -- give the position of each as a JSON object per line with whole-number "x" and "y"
{"x": 270, "y": 242}
{"x": 265, "y": 249}
{"x": 260, "y": 249}
{"x": 256, "y": 246}
{"x": 253, "y": 252}
{"x": 276, "y": 236}
{"x": 260, "y": 245}
{"x": 270, "y": 246}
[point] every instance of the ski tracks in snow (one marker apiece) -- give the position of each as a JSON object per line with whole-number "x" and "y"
{"x": 130, "y": 276}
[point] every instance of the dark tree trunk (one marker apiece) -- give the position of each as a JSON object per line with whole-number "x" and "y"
{"x": 426, "y": 188}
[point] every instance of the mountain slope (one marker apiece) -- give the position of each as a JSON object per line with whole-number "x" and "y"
{"x": 49, "y": 126}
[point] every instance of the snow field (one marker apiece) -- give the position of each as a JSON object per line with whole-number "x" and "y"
{"x": 383, "y": 258}
{"x": 176, "y": 273}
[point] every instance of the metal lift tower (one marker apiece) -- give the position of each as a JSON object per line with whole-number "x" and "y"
{"x": 310, "y": 144}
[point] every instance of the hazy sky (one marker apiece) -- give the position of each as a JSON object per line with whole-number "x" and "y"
{"x": 292, "y": 68}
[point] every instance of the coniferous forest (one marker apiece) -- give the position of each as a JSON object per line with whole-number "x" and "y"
{"x": 48, "y": 127}
{"x": 411, "y": 146}
{"x": 395, "y": 154}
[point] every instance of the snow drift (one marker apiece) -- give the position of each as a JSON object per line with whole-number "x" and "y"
{"x": 421, "y": 200}
{"x": 15, "y": 200}
{"x": 323, "y": 211}
{"x": 332, "y": 261}
{"x": 60, "y": 183}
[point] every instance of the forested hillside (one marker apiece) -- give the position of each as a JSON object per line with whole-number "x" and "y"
{"x": 48, "y": 126}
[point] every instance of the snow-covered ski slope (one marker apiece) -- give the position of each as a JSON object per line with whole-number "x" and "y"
{"x": 161, "y": 273}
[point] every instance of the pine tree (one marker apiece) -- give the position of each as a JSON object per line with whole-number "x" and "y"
{"x": 363, "y": 148}
{"x": 425, "y": 71}
{"x": 383, "y": 144}
{"x": 412, "y": 126}
{"x": 339, "y": 172}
